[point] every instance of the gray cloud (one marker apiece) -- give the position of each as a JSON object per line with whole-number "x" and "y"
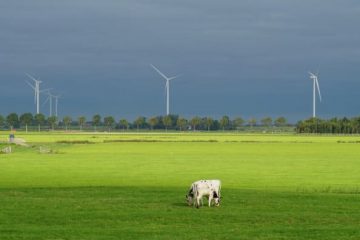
{"x": 246, "y": 58}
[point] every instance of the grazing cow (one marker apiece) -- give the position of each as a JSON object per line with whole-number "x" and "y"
{"x": 201, "y": 188}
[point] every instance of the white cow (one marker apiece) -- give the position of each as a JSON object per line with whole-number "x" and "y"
{"x": 201, "y": 188}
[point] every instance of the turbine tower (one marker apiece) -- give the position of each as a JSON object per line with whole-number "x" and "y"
{"x": 56, "y": 104}
{"x": 315, "y": 85}
{"x": 167, "y": 87}
{"x": 36, "y": 88}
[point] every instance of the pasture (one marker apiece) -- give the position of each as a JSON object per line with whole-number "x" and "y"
{"x": 133, "y": 186}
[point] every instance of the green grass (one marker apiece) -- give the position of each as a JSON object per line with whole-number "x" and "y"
{"x": 133, "y": 186}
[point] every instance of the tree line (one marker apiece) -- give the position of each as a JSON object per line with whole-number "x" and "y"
{"x": 333, "y": 125}
{"x": 108, "y": 123}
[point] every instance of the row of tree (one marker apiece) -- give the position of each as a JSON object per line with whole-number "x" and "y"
{"x": 333, "y": 125}
{"x": 173, "y": 122}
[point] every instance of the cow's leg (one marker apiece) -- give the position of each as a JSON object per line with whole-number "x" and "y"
{"x": 198, "y": 202}
{"x": 210, "y": 199}
{"x": 197, "y": 199}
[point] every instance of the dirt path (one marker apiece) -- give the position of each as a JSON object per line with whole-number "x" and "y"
{"x": 20, "y": 141}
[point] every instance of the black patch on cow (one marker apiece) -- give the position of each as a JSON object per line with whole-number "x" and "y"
{"x": 215, "y": 195}
{"x": 190, "y": 194}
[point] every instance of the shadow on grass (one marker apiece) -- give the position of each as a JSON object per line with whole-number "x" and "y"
{"x": 180, "y": 204}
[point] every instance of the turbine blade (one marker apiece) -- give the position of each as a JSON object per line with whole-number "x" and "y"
{"x": 46, "y": 90}
{"x": 174, "y": 77}
{"x": 318, "y": 88}
{"x": 158, "y": 71}
{"x": 31, "y": 77}
{"x": 47, "y": 99}
{"x": 33, "y": 87}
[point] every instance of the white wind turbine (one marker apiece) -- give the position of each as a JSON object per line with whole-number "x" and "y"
{"x": 36, "y": 88}
{"x": 167, "y": 87}
{"x": 56, "y": 104}
{"x": 315, "y": 85}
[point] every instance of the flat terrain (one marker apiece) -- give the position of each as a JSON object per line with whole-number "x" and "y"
{"x": 133, "y": 186}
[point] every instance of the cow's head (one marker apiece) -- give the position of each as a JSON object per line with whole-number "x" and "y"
{"x": 216, "y": 199}
{"x": 189, "y": 199}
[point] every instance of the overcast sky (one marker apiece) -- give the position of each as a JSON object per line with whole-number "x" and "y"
{"x": 239, "y": 58}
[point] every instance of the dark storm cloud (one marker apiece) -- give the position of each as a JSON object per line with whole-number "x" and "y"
{"x": 247, "y": 58}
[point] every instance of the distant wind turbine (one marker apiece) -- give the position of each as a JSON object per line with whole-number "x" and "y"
{"x": 56, "y": 104}
{"x": 167, "y": 87}
{"x": 37, "y": 90}
{"x": 315, "y": 85}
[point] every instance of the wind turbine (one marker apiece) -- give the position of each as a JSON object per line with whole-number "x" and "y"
{"x": 315, "y": 85}
{"x": 56, "y": 104}
{"x": 36, "y": 88}
{"x": 167, "y": 87}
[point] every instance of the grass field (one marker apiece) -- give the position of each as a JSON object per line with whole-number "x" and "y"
{"x": 133, "y": 186}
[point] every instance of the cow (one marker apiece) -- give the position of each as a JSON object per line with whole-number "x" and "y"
{"x": 201, "y": 188}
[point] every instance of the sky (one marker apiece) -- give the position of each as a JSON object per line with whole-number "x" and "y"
{"x": 237, "y": 58}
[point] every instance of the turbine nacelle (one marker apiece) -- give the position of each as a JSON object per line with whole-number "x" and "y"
{"x": 163, "y": 75}
{"x": 312, "y": 76}
{"x": 34, "y": 79}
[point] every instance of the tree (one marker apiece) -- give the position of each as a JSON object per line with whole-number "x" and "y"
{"x": 167, "y": 121}
{"x": 334, "y": 125}
{"x": 139, "y": 122}
{"x": 208, "y": 122}
{"x": 2, "y": 121}
{"x": 96, "y": 120}
{"x": 82, "y": 121}
{"x": 195, "y": 122}
{"x": 355, "y": 125}
{"x": 181, "y": 123}
{"x": 67, "y": 121}
{"x": 238, "y": 122}
{"x": 224, "y": 122}
{"x": 124, "y": 123}
{"x": 12, "y": 120}
{"x": 252, "y": 122}
{"x": 39, "y": 119}
{"x": 109, "y": 122}
{"x": 280, "y": 122}
{"x": 153, "y": 122}
{"x": 52, "y": 121}
{"x": 267, "y": 121}
{"x": 26, "y": 119}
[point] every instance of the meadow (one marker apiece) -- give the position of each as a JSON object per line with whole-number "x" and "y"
{"x": 133, "y": 186}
